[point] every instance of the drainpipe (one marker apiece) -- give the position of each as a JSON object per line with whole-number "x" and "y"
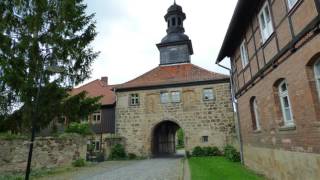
{"x": 237, "y": 109}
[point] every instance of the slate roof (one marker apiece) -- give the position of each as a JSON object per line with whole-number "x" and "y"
{"x": 98, "y": 88}
{"x": 173, "y": 74}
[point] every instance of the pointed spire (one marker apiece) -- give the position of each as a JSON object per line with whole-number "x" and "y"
{"x": 174, "y": 2}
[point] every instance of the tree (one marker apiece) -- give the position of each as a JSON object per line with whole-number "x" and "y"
{"x": 36, "y": 38}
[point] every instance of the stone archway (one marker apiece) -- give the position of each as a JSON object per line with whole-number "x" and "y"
{"x": 164, "y": 138}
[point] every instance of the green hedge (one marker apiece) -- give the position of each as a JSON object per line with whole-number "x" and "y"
{"x": 205, "y": 151}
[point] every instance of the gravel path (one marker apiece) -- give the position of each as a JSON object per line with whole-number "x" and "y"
{"x": 151, "y": 169}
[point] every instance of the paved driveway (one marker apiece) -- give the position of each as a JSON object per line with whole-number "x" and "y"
{"x": 151, "y": 169}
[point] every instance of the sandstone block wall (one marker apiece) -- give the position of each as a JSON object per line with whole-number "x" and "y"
{"x": 47, "y": 153}
{"x": 196, "y": 117}
{"x": 282, "y": 165}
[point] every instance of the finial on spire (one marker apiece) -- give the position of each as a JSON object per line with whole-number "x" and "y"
{"x": 174, "y": 1}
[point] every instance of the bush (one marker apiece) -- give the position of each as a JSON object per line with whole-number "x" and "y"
{"x": 132, "y": 156}
{"x": 117, "y": 153}
{"x": 79, "y": 163}
{"x": 231, "y": 153}
{"x": 211, "y": 151}
{"x": 197, "y": 151}
{"x": 80, "y": 128}
{"x": 12, "y": 136}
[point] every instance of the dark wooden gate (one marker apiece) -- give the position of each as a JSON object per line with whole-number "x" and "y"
{"x": 164, "y": 138}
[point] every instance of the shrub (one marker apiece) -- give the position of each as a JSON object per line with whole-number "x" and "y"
{"x": 132, "y": 156}
{"x": 231, "y": 153}
{"x": 12, "y": 136}
{"x": 79, "y": 163}
{"x": 197, "y": 151}
{"x": 211, "y": 151}
{"x": 117, "y": 152}
{"x": 80, "y": 128}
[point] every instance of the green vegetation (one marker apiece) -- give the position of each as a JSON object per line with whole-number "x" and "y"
{"x": 231, "y": 153}
{"x": 180, "y": 135}
{"x": 79, "y": 128}
{"x": 10, "y": 136}
{"x": 205, "y": 151}
{"x": 79, "y": 163}
{"x": 117, "y": 153}
{"x": 45, "y": 51}
{"x": 209, "y": 168}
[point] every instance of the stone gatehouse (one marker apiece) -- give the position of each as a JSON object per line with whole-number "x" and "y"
{"x": 176, "y": 94}
{"x": 147, "y": 111}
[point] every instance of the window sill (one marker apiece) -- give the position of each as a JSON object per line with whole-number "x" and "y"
{"x": 258, "y": 131}
{"x": 287, "y": 128}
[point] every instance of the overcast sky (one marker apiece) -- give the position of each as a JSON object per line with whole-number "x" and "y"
{"x": 130, "y": 29}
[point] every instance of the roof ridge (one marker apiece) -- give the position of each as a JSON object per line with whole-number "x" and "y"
{"x": 215, "y": 73}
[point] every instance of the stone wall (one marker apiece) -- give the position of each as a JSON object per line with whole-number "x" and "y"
{"x": 281, "y": 164}
{"x": 196, "y": 117}
{"x": 47, "y": 153}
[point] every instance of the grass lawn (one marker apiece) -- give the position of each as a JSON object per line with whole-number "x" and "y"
{"x": 219, "y": 168}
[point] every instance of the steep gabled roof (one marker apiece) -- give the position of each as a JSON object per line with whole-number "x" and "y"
{"x": 98, "y": 88}
{"x": 173, "y": 74}
{"x": 242, "y": 15}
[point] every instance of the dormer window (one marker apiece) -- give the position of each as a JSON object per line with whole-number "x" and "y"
{"x": 244, "y": 54}
{"x": 265, "y": 21}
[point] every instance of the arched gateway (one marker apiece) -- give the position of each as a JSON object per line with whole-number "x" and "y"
{"x": 164, "y": 138}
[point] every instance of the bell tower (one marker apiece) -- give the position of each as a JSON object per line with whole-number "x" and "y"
{"x": 175, "y": 47}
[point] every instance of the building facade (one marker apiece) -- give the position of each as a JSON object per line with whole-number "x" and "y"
{"x": 101, "y": 122}
{"x": 176, "y": 94}
{"x": 274, "y": 48}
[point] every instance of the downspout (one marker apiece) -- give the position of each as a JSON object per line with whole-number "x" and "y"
{"x": 237, "y": 109}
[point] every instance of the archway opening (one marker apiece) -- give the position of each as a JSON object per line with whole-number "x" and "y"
{"x": 167, "y": 140}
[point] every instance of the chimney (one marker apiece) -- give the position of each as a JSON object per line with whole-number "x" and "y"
{"x": 105, "y": 79}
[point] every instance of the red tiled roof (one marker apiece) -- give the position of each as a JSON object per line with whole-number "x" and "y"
{"x": 97, "y": 88}
{"x": 174, "y": 74}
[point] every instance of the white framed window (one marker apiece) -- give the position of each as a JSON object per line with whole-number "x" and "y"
{"x": 291, "y": 3}
{"x": 285, "y": 104}
{"x": 256, "y": 115}
{"x": 164, "y": 97}
{"x": 175, "y": 96}
{"x": 96, "y": 117}
{"x": 317, "y": 76}
{"x": 244, "y": 54}
{"x": 208, "y": 94}
{"x": 265, "y": 22}
{"x": 134, "y": 99}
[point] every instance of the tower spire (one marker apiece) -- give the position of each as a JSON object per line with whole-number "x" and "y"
{"x": 175, "y": 47}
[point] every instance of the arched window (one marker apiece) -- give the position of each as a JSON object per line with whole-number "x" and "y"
{"x": 317, "y": 76}
{"x": 173, "y": 21}
{"x": 285, "y": 104}
{"x": 255, "y": 114}
{"x": 179, "y": 21}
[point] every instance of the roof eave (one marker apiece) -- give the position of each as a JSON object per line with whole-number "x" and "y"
{"x": 242, "y": 14}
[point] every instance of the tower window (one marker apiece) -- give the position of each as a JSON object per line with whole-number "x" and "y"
{"x": 173, "y": 21}
{"x": 179, "y": 21}
{"x": 208, "y": 94}
{"x": 175, "y": 96}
